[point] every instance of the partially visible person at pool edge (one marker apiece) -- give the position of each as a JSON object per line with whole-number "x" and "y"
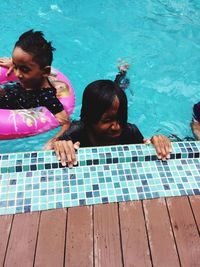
{"x": 31, "y": 61}
{"x": 195, "y": 125}
{"x": 103, "y": 122}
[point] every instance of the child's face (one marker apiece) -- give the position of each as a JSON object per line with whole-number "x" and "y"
{"x": 108, "y": 127}
{"x": 26, "y": 69}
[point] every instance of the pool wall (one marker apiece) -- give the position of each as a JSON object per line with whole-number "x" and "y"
{"x": 34, "y": 181}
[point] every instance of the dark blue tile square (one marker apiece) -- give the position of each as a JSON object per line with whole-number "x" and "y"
{"x": 27, "y": 208}
{"x": 115, "y": 160}
{"x": 82, "y": 202}
{"x": 154, "y": 157}
{"x": 144, "y": 182}
{"x": 55, "y": 165}
{"x": 196, "y": 191}
{"x": 108, "y": 161}
{"x": 104, "y": 200}
{"x": 147, "y": 158}
{"x": 96, "y": 162}
{"x": 166, "y": 187}
{"x": 89, "y": 162}
{"x": 73, "y": 176}
{"x": 47, "y": 166}
{"x": 43, "y": 179}
{"x": 129, "y": 177}
{"x": 134, "y": 159}
{"x": 95, "y": 187}
{"x": 178, "y": 155}
{"x": 18, "y": 168}
{"x": 89, "y": 194}
{"x": 13, "y": 182}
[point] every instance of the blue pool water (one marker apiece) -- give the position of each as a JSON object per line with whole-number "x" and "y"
{"x": 160, "y": 38}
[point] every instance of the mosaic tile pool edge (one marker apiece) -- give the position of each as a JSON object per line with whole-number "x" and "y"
{"x": 57, "y": 187}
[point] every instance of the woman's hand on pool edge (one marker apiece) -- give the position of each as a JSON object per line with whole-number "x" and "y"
{"x": 162, "y": 146}
{"x": 66, "y": 152}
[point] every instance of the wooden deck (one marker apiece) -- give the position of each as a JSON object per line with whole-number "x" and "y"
{"x": 157, "y": 232}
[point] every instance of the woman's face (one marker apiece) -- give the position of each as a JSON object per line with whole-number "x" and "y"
{"x": 108, "y": 129}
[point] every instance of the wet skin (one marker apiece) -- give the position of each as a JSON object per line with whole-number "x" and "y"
{"x": 29, "y": 73}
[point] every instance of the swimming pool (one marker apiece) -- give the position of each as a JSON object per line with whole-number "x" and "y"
{"x": 159, "y": 38}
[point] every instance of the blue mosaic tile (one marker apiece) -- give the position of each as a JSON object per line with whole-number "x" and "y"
{"x": 36, "y": 181}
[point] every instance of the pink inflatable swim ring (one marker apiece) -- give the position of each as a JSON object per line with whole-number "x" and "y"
{"x": 27, "y": 122}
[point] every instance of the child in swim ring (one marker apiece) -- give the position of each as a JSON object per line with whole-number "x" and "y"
{"x": 31, "y": 60}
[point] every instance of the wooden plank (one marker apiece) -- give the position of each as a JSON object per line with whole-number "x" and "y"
{"x": 79, "y": 242}
{"x": 5, "y": 227}
{"x": 195, "y": 203}
{"x": 134, "y": 238}
{"x": 21, "y": 246}
{"x": 51, "y": 238}
{"x": 185, "y": 230}
{"x": 161, "y": 239}
{"x": 107, "y": 243}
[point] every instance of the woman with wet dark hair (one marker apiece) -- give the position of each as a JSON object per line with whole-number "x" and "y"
{"x": 103, "y": 121}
